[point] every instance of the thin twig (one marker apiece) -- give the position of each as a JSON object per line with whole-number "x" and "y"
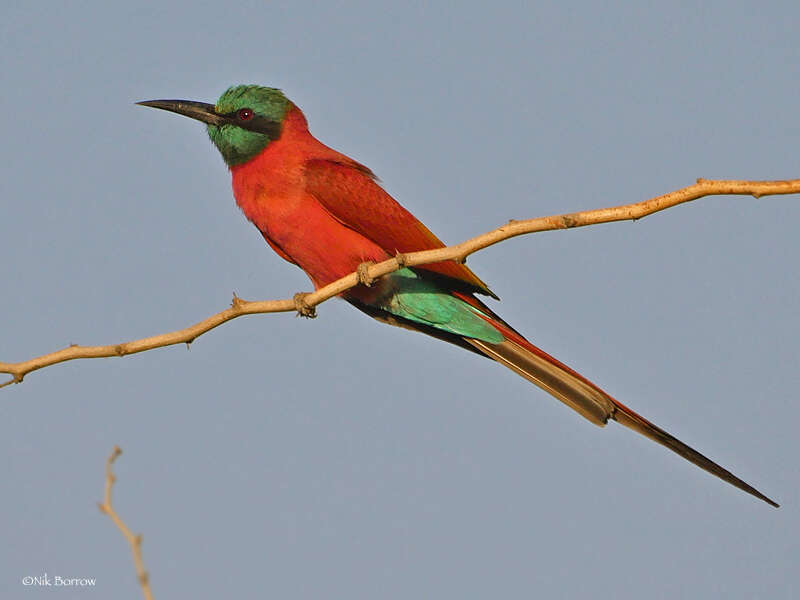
{"x": 370, "y": 272}
{"x": 135, "y": 541}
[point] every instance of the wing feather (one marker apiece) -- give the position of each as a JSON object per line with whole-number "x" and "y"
{"x": 351, "y": 194}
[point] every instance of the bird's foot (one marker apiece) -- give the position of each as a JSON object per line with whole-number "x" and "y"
{"x": 363, "y": 273}
{"x": 302, "y": 308}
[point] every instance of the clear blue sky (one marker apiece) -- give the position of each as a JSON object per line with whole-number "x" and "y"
{"x": 339, "y": 458}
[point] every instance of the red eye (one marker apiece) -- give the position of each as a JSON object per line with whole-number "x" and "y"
{"x": 244, "y": 114}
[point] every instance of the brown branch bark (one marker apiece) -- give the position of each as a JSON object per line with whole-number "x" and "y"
{"x": 304, "y": 303}
{"x": 135, "y": 541}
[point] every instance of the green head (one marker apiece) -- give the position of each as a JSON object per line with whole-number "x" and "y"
{"x": 243, "y": 122}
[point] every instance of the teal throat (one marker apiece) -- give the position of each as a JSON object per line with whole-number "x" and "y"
{"x": 253, "y": 118}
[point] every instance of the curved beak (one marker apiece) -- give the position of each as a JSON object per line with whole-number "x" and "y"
{"x": 189, "y": 108}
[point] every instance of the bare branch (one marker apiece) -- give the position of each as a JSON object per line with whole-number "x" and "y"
{"x": 304, "y": 304}
{"x": 135, "y": 541}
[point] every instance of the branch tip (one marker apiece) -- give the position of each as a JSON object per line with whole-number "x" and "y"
{"x": 134, "y": 541}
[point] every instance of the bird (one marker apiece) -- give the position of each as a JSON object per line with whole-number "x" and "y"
{"x": 327, "y": 214}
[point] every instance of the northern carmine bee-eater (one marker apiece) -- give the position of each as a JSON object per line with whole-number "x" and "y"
{"x": 327, "y": 214}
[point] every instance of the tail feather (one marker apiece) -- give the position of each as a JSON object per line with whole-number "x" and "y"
{"x": 589, "y": 400}
{"x": 572, "y": 391}
{"x": 535, "y": 365}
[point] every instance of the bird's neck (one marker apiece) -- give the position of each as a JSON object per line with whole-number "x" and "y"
{"x": 271, "y": 179}
{"x": 294, "y": 141}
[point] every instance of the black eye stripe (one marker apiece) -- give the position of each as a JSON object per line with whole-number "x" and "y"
{"x": 256, "y": 122}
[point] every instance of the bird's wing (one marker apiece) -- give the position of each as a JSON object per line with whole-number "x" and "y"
{"x": 351, "y": 194}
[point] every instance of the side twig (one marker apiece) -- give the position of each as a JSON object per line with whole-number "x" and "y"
{"x": 305, "y": 303}
{"x": 135, "y": 541}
